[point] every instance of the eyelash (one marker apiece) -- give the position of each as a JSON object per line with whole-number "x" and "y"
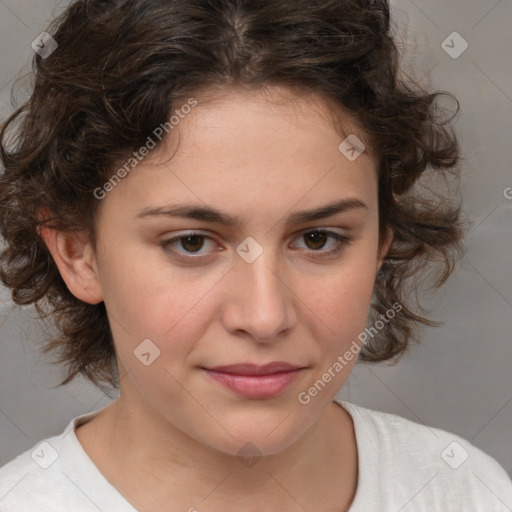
{"x": 342, "y": 240}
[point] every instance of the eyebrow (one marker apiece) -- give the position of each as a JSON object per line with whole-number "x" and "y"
{"x": 209, "y": 214}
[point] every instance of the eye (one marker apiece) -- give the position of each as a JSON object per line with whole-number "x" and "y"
{"x": 317, "y": 239}
{"x": 191, "y": 243}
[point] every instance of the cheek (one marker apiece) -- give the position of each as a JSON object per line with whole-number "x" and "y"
{"x": 340, "y": 300}
{"x": 335, "y": 315}
{"x": 151, "y": 295}
{"x": 147, "y": 299}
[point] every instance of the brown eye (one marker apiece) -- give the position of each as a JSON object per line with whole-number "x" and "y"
{"x": 192, "y": 243}
{"x": 316, "y": 239}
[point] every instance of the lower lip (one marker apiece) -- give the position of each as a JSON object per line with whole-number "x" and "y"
{"x": 255, "y": 386}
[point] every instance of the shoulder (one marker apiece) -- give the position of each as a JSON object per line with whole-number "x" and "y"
{"x": 57, "y": 475}
{"x": 31, "y": 475}
{"x": 427, "y": 464}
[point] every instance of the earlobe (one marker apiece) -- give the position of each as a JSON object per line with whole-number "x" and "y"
{"x": 73, "y": 254}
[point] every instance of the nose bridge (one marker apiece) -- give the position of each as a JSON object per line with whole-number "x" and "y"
{"x": 264, "y": 275}
{"x": 262, "y": 299}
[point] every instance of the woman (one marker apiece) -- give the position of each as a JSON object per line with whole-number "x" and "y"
{"x": 214, "y": 202}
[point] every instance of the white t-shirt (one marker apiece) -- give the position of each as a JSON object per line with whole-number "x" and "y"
{"x": 403, "y": 466}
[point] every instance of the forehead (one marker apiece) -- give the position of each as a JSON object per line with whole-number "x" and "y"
{"x": 240, "y": 147}
{"x": 288, "y": 112}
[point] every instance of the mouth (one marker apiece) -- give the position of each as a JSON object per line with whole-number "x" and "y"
{"x": 254, "y": 381}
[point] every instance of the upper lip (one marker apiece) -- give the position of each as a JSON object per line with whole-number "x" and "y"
{"x": 253, "y": 369}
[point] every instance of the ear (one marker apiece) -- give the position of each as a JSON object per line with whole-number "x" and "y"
{"x": 386, "y": 244}
{"x": 76, "y": 261}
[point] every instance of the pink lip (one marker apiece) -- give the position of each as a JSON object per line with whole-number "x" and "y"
{"x": 254, "y": 369}
{"x": 255, "y": 382}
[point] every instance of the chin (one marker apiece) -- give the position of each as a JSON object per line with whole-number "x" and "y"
{"x": 254, "y": 437}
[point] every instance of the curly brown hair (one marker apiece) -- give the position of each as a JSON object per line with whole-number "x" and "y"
{"x": 120, "y": 68}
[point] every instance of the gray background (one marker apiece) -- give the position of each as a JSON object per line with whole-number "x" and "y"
{"x": 458, "y": 379}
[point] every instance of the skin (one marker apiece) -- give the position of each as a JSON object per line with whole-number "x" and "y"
{"x": 170, "y": 441}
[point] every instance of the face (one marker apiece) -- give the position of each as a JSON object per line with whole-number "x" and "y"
{"x": 278, "y": 285}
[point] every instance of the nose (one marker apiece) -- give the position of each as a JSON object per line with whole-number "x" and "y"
{"x": 260, "y": 302}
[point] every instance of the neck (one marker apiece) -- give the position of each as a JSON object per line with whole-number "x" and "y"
{"x": 184, "y": 474}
